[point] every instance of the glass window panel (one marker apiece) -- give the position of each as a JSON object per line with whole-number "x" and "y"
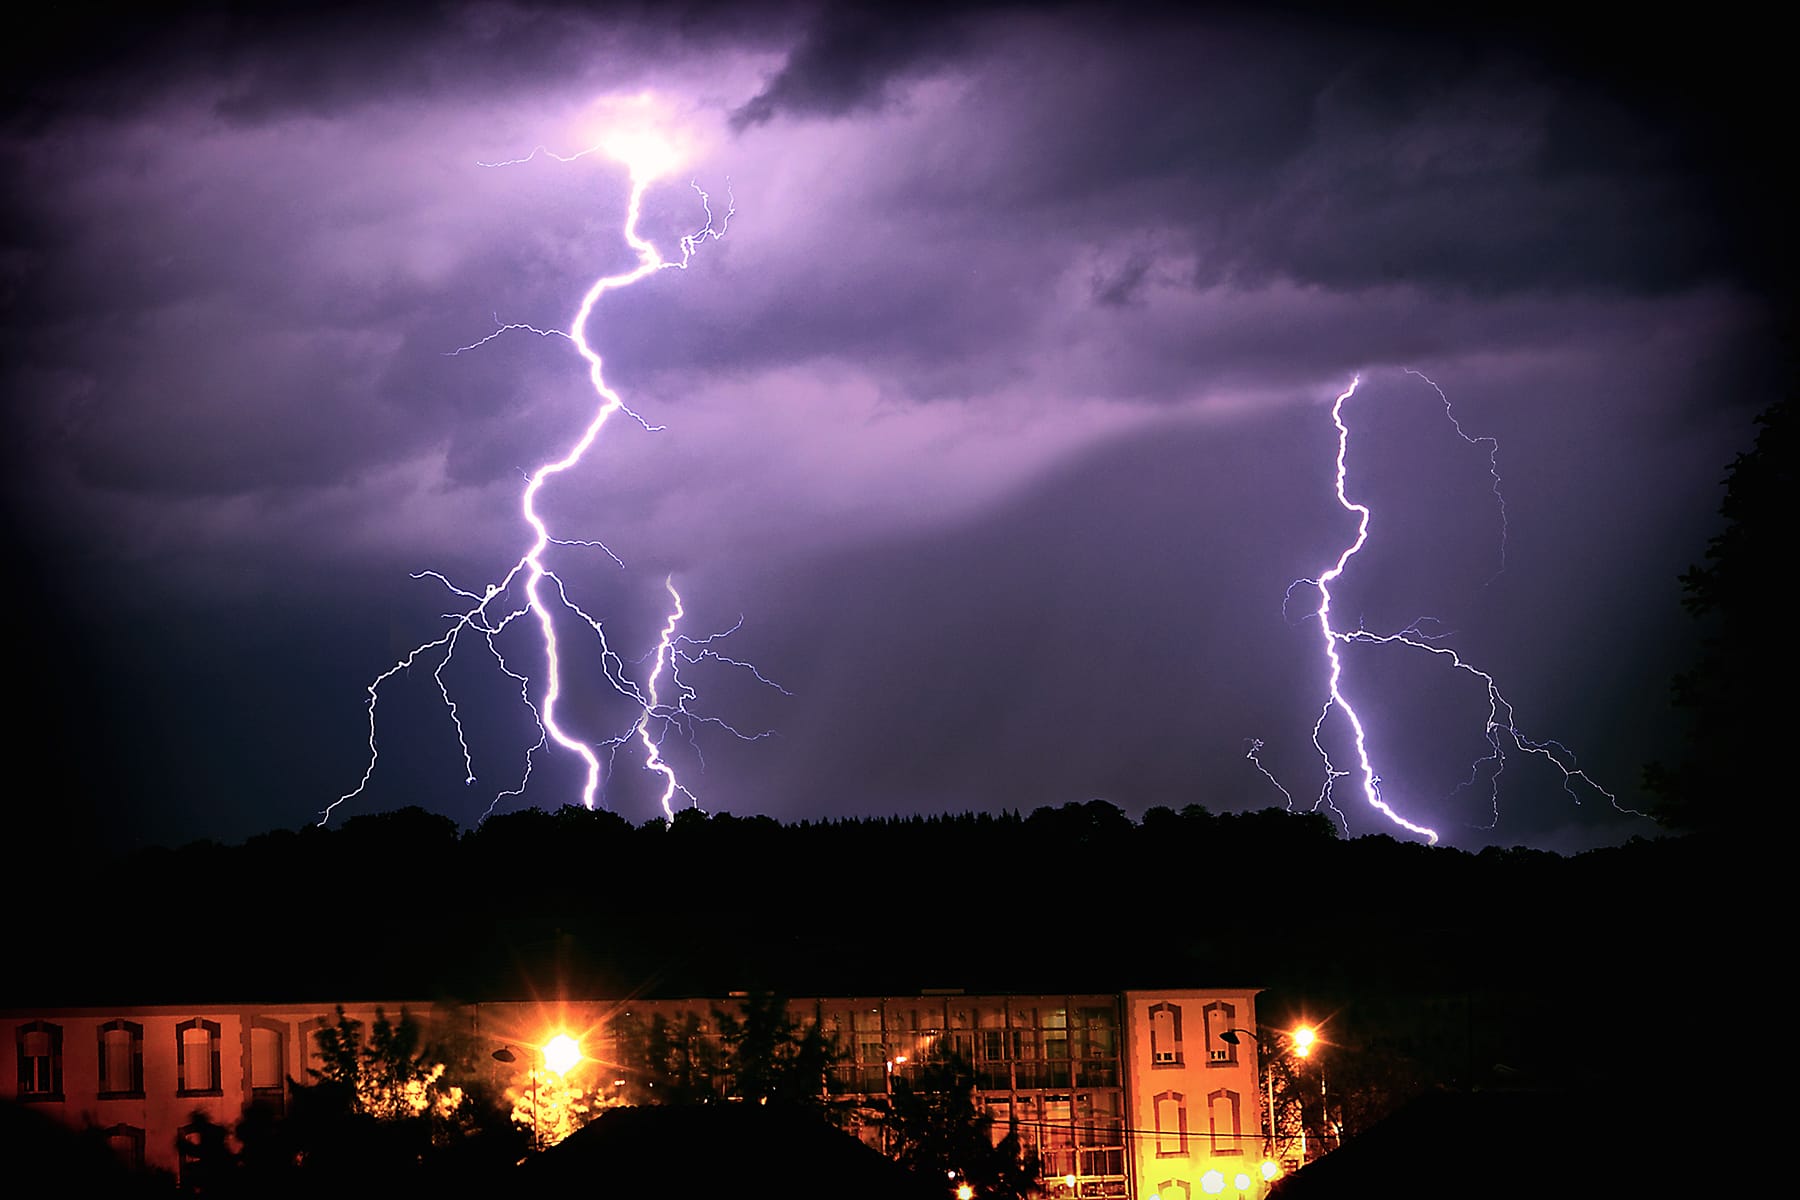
{"x": 265, "y": 1058}
{"x": 196, "y": 1060}
{"x": 115, "y": 1061}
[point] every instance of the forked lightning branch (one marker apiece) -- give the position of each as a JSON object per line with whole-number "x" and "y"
{"x": 532, "y": 592}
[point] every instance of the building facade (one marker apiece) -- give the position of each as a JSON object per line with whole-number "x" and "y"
{"x": 140, "y": 1076}
{"x": 1131, "y": 1094}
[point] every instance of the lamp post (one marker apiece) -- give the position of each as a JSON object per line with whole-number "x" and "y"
{"x": 505, "y": 1054}
{"x": 1302, "y": 1038}
{"x": 1230, "y": 1037}
{"x": 890, "y": 1061}
{"x": 1305, "y": 1037}
{"x": 559, "y": 1056}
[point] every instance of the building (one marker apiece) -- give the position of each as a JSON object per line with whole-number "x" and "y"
{"x": 1130, "y": 1094}
{"x": 140, "y": 1075}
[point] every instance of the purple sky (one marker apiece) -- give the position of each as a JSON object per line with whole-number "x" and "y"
{"x": 1001, "y": 414}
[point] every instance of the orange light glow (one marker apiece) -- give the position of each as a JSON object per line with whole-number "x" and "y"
{"x": 1304, "y": 1037}
{"x": 561, "y": 1053}
{"x": 965, "y": 1192}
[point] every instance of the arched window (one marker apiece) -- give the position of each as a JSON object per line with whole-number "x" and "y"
{"x": 1171, "y": 1124}
{"x": 1222, "y": 1115}
{"x": 268, "y": 1062}
{"x": 121, "y": 1059}
{"x": 1165, "y": 1035}
{"x": 197, "y": 1058}
{"x": 127, "y": 1141}
{"x": 1219, "y": 1017}
{"x": 40, "y": 1061}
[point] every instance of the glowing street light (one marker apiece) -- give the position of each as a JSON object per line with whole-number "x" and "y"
{"x": 561, "y": 1053}
{"x": 1302, "y": 1038}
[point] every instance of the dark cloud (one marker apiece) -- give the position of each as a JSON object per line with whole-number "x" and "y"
{"x": 850, "y": 59}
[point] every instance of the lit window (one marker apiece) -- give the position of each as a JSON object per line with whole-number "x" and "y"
{"x": 121, "y": 1059}
{"x": 197, "y": 1057}
{"x": 267, "y": 1068}
{"x": 40, "y": 1061}
{"x": 1222, "y": 1114}
{"x": 1220, "y": 1017}
{"x": 1171, "y": 1124}
{"x": 1000, "y": 1118}
{"x": 1103, "y": 1162}
{"x": 1059, "y": 1124}
{"x": 1165, "y": 1035}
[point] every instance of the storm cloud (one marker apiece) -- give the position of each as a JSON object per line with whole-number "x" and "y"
{"x": 1000, "y": 414}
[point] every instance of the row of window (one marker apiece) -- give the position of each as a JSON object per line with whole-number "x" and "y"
{"x": 1217, "y": 1019}
{"x": 1223, "y": 1119}
{"x": 119, "y": 1046}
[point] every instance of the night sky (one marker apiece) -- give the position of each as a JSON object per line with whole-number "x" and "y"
{"x": 1001, "y": 414}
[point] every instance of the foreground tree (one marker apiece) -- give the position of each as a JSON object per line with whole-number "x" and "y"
{"x": 1740, "y": 594}
{"x": 390, "y": 1077}
{"x": 938, "y": 1130}
{"x": 771, "y": 1059}
{"x": 380, "y": 1113}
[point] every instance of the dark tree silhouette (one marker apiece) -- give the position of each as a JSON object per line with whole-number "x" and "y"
{"x": 937, "y": 1130}
{"x": 772, "y": 1060}
{"x": 1735, "y": 692}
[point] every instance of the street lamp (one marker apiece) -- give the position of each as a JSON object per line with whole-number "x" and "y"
{"x": 505, "y": 1054}
{"x": 560, "y": 1055}
{"x": 1303, "y": 1038}
{"x": 1230, "y": 1038}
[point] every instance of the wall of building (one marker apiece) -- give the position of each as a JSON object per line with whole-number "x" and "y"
{"x": 1120, "y": 1095}
{"x": 1196, "y": 1099}
{"x": 140, "y": 1076}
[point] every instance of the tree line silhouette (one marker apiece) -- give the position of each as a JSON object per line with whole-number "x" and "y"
{"x": 1440, "y": 953}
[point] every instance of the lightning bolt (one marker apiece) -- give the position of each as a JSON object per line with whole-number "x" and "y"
{"x": 1501, "y": 727}
{"x": 1253, "y": 752}
{"x": 527, "y": 588}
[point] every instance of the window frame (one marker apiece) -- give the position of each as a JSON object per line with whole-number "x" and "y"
{"x": 29, "y": 1078}
{"x": 1173, "y": 1056}
{"x": 133, "y": 1136}
{"x": 134, "y": 1047}
{"x": 1234, "y": 1103}
{"x": 1179, "y": 1133}
{"x": 215, "y": 1083}
{"x": 1219, "y": 1015}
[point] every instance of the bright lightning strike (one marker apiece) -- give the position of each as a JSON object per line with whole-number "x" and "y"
{"x": 1501, "y": 728}
{"x": 1253, "y": 752}
{"x": 531, "y": 589}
